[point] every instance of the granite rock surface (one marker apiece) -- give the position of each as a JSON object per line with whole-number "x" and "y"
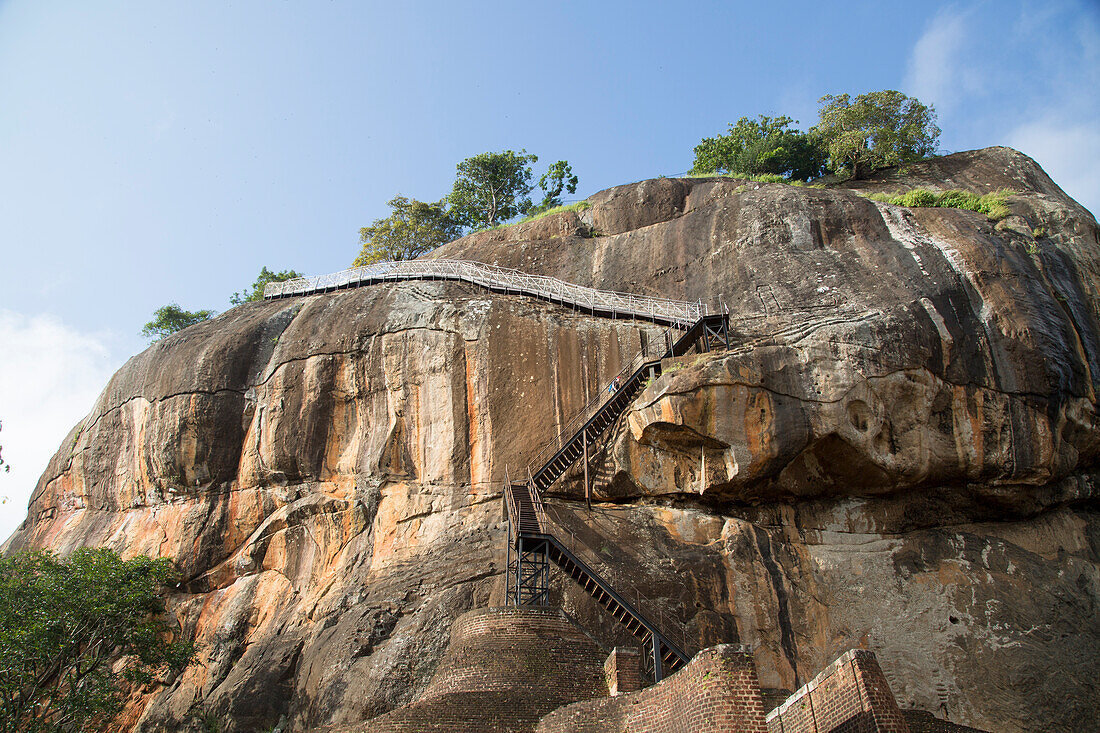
{"x": 899, "y": 451}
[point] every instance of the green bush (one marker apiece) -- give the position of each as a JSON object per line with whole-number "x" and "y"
{"x": 919, "y": 197}
{"x": 994, "y": 205}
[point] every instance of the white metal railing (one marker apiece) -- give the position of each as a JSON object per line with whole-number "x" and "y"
{"x": 500, "y": 278}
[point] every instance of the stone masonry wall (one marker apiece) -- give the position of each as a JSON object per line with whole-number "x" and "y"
{"x": 717, "y": 691}
{"x": 504, "y": 668}
{"x": 851, "y": 695}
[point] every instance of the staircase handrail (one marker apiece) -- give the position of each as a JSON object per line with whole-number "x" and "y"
{"x": 626, "y": 605}
{"x": 536, "y": 499}
{"x": 615, "y": 576}
{"x": 649, "y": 307}
{"x": 652, "y": 351}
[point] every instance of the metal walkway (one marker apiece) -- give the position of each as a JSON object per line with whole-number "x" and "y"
{"x": 607, "y": 303}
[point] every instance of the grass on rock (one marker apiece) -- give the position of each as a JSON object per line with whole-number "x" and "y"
{"x": 994, "y": 205}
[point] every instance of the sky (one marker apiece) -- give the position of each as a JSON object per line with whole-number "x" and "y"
{"x": 157, "y": 152}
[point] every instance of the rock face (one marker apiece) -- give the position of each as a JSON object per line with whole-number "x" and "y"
{"x": 899, "y": 451}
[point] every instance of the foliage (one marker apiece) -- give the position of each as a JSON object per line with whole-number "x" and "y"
{"x": 766, "y": 145}
{"x": 413, "y": 228}
{"x": 875, "y": 130}
{"x": 75, "y": 634}
{"x": 491, "y": 188}
{"x": 557, "y": 178}
{"x": 257, "y": 291}
{"x": 994, "y": 204}
{"x": 171, "y": 318}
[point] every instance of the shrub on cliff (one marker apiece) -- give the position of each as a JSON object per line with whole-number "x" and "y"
{"x": 766, "y": 145}
{"x": 76, "y": 634}
{"x": 875, "y": 130}
{"x": 171, "y": 318}
{"x": 256, "y": 291}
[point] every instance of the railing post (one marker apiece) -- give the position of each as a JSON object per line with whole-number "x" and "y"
{"x": 658, "y": 667}
{"x": 587, "y": 484}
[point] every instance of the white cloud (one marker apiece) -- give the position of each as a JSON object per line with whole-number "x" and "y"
{"x": 1068, "y": 152}
{"x": 50, "y": 376}
{"x": 935, "y": 74}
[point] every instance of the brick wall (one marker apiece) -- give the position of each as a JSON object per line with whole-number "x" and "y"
{"x": 623, "y": 670}
{"x": 851, "y": 695}
{"x": 504, "y": 668}
{"x": 717, "y": 691}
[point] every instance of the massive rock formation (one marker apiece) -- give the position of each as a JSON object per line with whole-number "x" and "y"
{"x": 899, "y": 452}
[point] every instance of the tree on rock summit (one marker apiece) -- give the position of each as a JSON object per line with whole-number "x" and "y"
{"x": 875, "y": 130}
{"x": 491, "y": 188}
{"x": 764, "y": 145}
{"x": 413, "y": 228}
{"x": 558, "y": 178}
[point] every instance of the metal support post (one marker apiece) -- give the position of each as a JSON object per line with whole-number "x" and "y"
{"x": 587, "y": 483}
{"x": 658, "y": 669}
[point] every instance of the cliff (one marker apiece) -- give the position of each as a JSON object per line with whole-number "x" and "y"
{"x": 898, "y": 452}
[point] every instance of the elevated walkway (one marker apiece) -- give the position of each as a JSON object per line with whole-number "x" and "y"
{"x": 606, "y": 303}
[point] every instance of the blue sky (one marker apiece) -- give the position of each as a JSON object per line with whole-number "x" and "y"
{"x": 152, "y": 152}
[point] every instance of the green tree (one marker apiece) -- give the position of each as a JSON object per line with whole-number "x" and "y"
{"x": 764, "y": 145}
{"x": 875, "y": 130}
{"x": 257, "y": 291}
{"x": 171, "y": 318}
{"x": 76, "y": 634}
{"x": 557, "y": 178}
{"x": 491, "y": 188}
{"x": 412, "y": 228}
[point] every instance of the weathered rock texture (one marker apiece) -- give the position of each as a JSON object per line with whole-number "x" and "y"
{"x": 900, "y": 452}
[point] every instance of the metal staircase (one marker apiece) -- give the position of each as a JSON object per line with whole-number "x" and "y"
{"x": 708, "y": 333}
{"x": 531, "y": 550}
{"x": 532, "y": 547}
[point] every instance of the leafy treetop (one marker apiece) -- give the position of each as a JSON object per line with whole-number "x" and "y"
{"x": 257, "y": 290}
{"x": 875, "y": 130}
{"x": 557, "y": 178}
{"x": 77, "y": 634}
{"x": 412, "y": 228}
{"x": 761, "y": 146}
{"x": 491, "y": 188}
{"x": 171, "y": 318}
